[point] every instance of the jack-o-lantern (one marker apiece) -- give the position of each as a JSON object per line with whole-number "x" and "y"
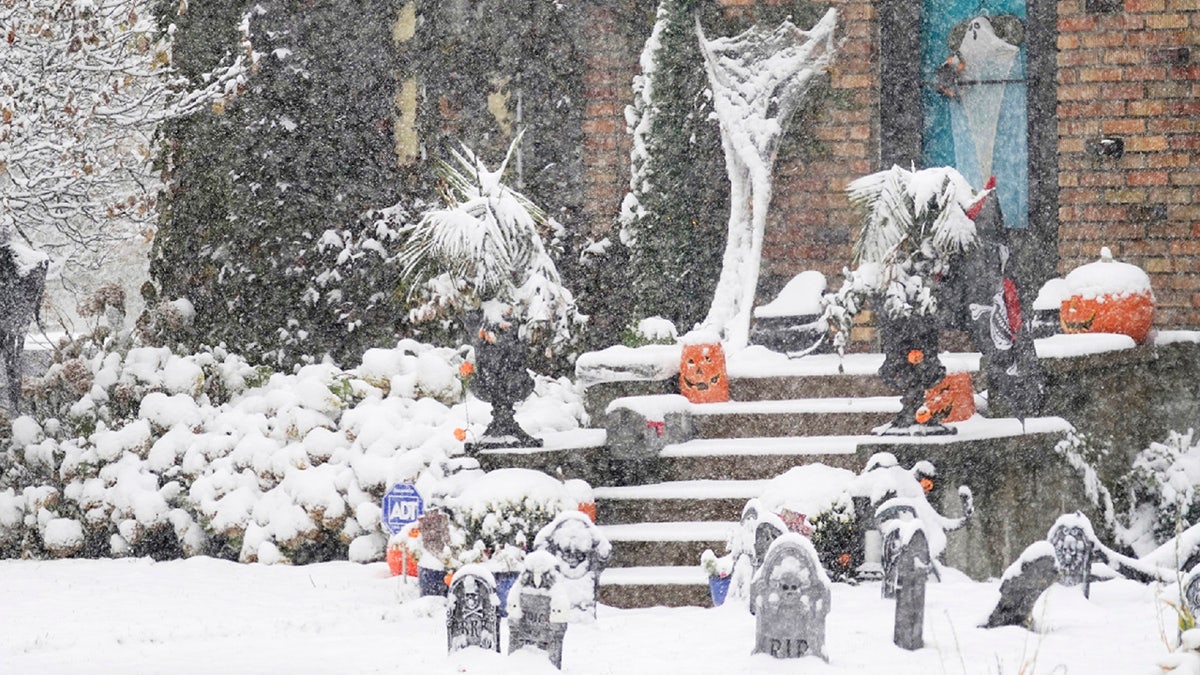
{"x": 952, "y": 399}
{"x": 702, "y": 376}
{"x": 1108, "y": 297}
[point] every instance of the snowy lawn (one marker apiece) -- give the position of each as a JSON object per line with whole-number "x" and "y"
{"x": 204, "y": 615}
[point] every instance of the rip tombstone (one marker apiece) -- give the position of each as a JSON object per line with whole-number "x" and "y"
{"x": 537, "y": 608}
{"x": 473, "y": 610}
{"x": 790, "y": 594}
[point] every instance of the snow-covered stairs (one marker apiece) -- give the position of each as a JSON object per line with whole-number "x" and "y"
{"x": 660, "y": 528}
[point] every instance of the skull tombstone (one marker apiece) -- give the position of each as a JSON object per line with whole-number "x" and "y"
{"x": 473, "y": 610}
{"x": 583, "y": 552}
{"x": 790, "y": 594}
{"x": 1072, "y": 539}
{"x": 538, "y": 607}
{"x": 1191, "y": 592}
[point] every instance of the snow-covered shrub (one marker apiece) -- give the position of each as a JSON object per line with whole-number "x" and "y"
{"x": 153, "y": 453}
{"x": 500, "y": 514}
{"x": 653, "y": 330}
{"x": 1162, "y": 489}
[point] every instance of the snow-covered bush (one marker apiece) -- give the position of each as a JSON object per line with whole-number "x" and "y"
{"x": 1162, "y": 489}
{"x": 147, "y": 452}
{"x": 498, "y": 516}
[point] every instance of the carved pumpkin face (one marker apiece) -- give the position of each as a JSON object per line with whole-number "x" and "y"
{"x": 702, "y": 377}
{"x": 1129, "y": 314}
{"x": 952, "y": 399}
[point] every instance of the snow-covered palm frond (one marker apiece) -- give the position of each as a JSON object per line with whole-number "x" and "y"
{"x": 890, "y": 216}
{"x": 487, "y": 234}
{"x": 488, "y": 242}
{"x": 915, "y": 222}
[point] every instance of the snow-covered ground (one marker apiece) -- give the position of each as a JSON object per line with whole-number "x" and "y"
{"x": 203, "y": 615}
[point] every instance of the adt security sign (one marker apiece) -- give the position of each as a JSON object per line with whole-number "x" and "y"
{"x": 401, "y": 505}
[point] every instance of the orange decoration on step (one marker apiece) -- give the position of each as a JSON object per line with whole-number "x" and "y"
{"x": 702, "y": 375}
{"x": 916, "y": 356}
{"x": 922, "y": 415}
{"x": 952, "y": 399}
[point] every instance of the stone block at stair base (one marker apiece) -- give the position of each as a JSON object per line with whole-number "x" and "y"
{"x": 638, "y": 429}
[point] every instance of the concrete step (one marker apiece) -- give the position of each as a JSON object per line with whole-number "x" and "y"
{"x": 756, "y": 458}
{"x": 794, "y": 417}
{"x": 774, "y": 388}
{"x": 657, "y": 544}
{"x": 656, "y": 586}
{"x": 675, "y": 501}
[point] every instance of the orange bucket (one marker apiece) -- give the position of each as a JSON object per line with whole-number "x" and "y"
{"x": 400, "y": 563}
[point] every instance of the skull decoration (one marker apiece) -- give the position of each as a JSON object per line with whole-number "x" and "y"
{"x": 1073, "y": 541}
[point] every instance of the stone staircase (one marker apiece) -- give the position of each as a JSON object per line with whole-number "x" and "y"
{"x": 659, "y": 529}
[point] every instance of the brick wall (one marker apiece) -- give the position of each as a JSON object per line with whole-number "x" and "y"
{"x": 811, "y": 224}
{"x": 1133, "y": 75}
{"x": 610, "y": 64}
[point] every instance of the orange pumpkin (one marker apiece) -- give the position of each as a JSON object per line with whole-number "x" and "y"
{"x": 952, "y": 399}
{"x": 1129, "y": 314}
{"x": 702, "y": 376}
{"x": 1107, "y": 296}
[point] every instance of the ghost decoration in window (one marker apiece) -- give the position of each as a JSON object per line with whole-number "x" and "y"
{"x": 983, "y": 60}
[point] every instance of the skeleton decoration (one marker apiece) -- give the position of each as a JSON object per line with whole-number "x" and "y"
{"x": 22, "y": 280}
{"x": 538, "y": 607}
{"x": 891, "y": 515}
{"x": 790, "y": 597}
{"x": 583, "y": 553}
{"x": 1073, "y": 552}
{"x": 472, "y": 610}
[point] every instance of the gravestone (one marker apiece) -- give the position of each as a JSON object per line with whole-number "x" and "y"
{"x": 1191, "y": 592}
{"x": 912, "y": 571}
{"x": 638, "y": 428}
{"x": 1072, "y": 551}
{"x": 583, "y": 552}
{"x": 765, "y": 534}
{"x": 1022, "y": 584}
{"x": 790, "y": 595}
{"x": 473, "y": 610}
{"x": 538, "y": 607}
{"x": 889, "y": 516}
{"x": 434, "y": 526}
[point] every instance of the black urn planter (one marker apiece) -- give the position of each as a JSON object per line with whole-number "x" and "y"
{"x": 911, "y": 366}
{"x": 501, "y": 379}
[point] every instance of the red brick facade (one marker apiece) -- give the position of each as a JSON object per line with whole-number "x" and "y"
{"x": 1133, "y": 74}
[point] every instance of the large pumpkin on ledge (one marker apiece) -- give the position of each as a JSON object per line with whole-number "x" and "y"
{"x": 1108, "y": 297}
